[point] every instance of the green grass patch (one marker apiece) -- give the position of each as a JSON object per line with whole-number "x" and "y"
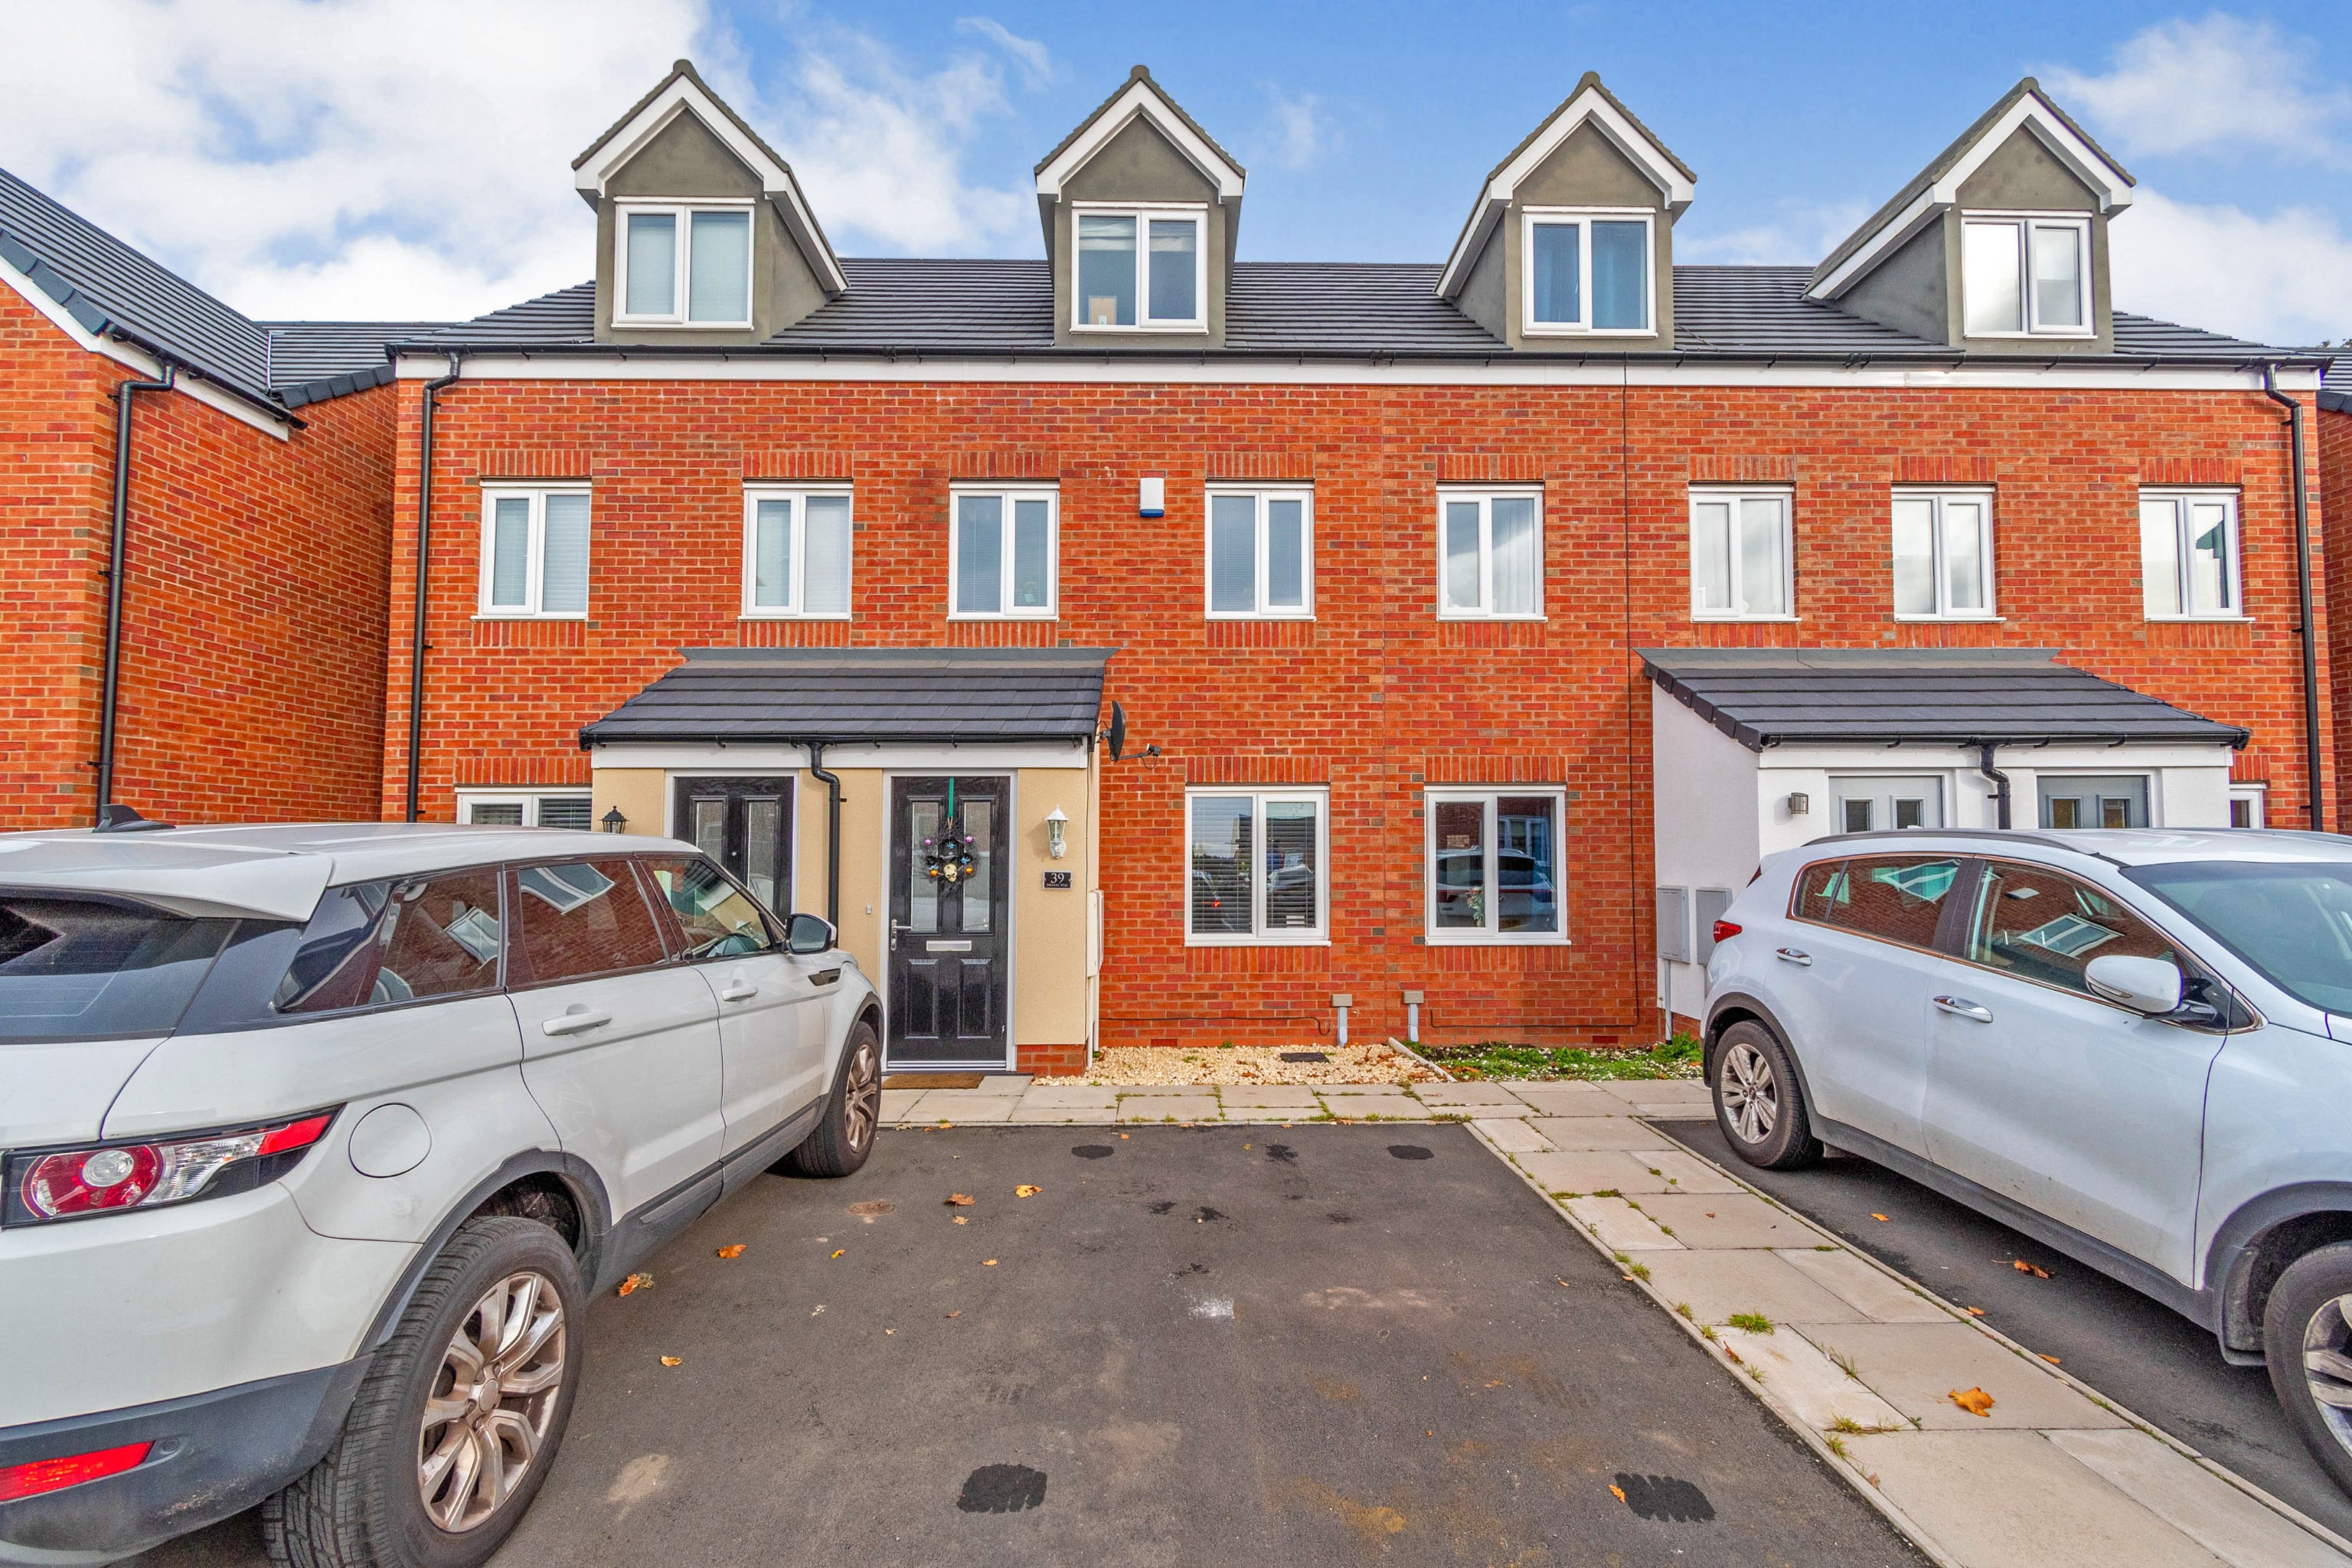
{"x": 1750, "y": 1322}
{"x": 1677, "y": 1057}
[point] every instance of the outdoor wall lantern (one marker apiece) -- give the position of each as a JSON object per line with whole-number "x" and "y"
{"x": 1799, "y": 803}
{"x": 614, "y": 821}
{"x": 1056, "y": 825}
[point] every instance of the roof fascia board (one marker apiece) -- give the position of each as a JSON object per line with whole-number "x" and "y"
{"x": 1139, "y": 99}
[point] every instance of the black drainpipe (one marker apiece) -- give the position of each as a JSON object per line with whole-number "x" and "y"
{"x": 423, "y": 565}
{"x": 111, "y": 690}
{"x": 2000, "y": 782}
{"x": 2310, "y": 756}
{"x": 832, "y": 783}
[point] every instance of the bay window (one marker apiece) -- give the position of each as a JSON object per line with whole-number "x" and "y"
{"x": 1140, "y": 269}
{"x": 1257, "y": 866}
{"x": 1740, "y": 555}
{"x": 534, "y": 554}
{"x": 2188, "y": 554}
{"x": 1261, "y": 554}
{"x": 683, "y": 265}
{"x": 1943, "y": 555}
{"x": 796, "y": 553}
{"x": 2023, "y": 275}
{"x": 1001, "y": 552}
{"x": 1586, "y": 271}
{"x": 1494, "y": 865}
{"x": 1490, "y": 554}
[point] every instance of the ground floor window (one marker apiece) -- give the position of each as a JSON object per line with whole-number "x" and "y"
{"x": 565, "y": 809}
{"x": 2246, "y": 805}
{"x": 1258, "y": 865}
{"x": 2103, "y": 800}
{"x": 1493, "y": 869}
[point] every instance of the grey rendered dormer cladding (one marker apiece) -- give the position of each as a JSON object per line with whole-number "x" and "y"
{"x": 2023, "y": 159}
{"x": 1138, "y": 150}
{"x": 1590, "y": 162}
{"x": 682, "y": 151}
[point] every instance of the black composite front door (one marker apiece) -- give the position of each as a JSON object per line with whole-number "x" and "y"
{"x": 745, "y": 825}
{"x": 948, "y": 947}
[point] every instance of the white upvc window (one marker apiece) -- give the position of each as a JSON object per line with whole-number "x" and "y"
{"x": 1490, "y": 554}
{"x": 681, "y": 264}
{"x": 1139, "y": 267}
{"x": 1492, "y": 865}
{"x": 2189, "y": 555}
{"x": 1258, "y": 866}
{"x": 2249, "y": 805}
{"x": 796, "y": 549}
{"x": 2025, "y": 275}
{"x": 1742, "y": 552}
{"x": 1260, "y": 560}
{"x": 503, "y": 808}
{"x": 1002, "y": 554}
{"x": 1586, "y": 271}
{"x": 1943, "y": 555}
{"x": 534, "y": 554}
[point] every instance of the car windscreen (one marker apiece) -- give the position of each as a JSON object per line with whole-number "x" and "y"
{"x": 2290, "y": 920}
{"x": 87, "y": 968}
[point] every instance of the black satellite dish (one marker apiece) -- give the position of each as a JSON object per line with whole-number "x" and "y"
{"x": 1116, "y": 736}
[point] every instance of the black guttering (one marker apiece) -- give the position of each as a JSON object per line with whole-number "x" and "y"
{"x": 117, "y": 553}
{"x": 424, "y": 563}
{"x": 2311, "y": 753}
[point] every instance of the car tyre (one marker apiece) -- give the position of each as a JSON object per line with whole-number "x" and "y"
{"x": 1756, "y": 1101}
{"x": 404, "y": 1485}
{"x": 844, "y": 1133}
{"x": 2307, "y": 1342}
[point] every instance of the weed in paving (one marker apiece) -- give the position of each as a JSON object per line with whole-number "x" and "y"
{"x": 1677, "y": 1057}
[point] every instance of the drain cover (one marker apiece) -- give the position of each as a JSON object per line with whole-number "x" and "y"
{"x": 1307, "y": 1056}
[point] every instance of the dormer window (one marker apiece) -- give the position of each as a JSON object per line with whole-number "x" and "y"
{"x": 1586, "y": 271}
{"x": 1138, "y": 269}
{"x": 2025, "y": 275}
{"x": 682, "y": 265}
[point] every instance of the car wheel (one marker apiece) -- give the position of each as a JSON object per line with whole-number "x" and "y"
{"x": 2307, "y": 1341}
{"x": 458, "y": 1418}
{"x": 1757, "y": 1103}
{"x": 845, "y": 1134}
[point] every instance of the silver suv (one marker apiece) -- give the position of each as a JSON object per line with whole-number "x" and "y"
{"x": 314, "y": 1140}
{"x": 2135, "y": 1046}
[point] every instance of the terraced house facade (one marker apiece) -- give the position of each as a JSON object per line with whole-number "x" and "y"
{"x": 1141, "y": 646}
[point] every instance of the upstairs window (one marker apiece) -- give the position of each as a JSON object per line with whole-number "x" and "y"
{"x": 1490, "y": 554}
{"x": 1140, "y": 269}
{"x": 796, "y": 552}
{"x": 1740, "y": 555}
{"x": 1001, "y": 553}
{"x": 2188, "y": 554}
{"x": 683, "y": 267}
{"x": 1586, "y": 271}
{"x": 2025, "y": 277}
{"x": 535, "y": 555}
{"x": 1943, "y": 555}
{"x": 1261, "y": 554}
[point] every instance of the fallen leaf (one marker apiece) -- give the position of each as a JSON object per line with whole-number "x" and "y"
{"x": 1122, "y": 1135}
{"x": 1618, "y": 1492}
{"x": 889, "y": 1330}
{"x": 672, "y": 1360}
{"x": 734, "y": 1251}
{"x": 839, "y": 1250}
{"x": 2023, "y": 1267}
{"x": 962, "y": 1219}
{"x": 1878, "y": 1216}
{"x": 957, "y": 1313}
{"x": 1973, "y": 1312}
{"x": 2050, "y": 1359}
{"x": 1976, "y": 1402}
{"x": 960, "y": 1200}
{"x": 988, "y": 1263}
{"x": 636, "y": 1282}
{"x": 1026, "y": 1192}
{"x": 820, "y": 1309}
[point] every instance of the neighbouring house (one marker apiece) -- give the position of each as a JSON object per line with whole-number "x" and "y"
{"x": 197, "y": 509}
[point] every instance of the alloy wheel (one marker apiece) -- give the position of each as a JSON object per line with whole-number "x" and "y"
{"x": 862, "y": 1096}
{"x": 492, "y": 1398}
{"x": 2327, "y": 1365}
{"x": 1750, "y": 1094}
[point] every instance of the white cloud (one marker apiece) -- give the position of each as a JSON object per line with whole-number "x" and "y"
{"x": 1803, "y": 234}
{"x": 2276, "y": 280}
{"x": 2220, "y": 83}
{"x": 1036, "y": 62}
{"x": 1299, "y": 132}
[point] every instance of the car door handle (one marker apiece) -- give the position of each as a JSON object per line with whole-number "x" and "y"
{"x": 739, "y": 992}
{"x": 1792, "y": 955}
{"x": 1961, "y": 1006}
{"x": 575, "y": 1023}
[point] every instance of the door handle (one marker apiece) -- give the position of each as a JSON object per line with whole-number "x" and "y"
{"x": 739, "y": 992}
{"x": 572, "y": 1023}
{"x": 1792, "y": 955}
{"x": 1961, "y": 1007}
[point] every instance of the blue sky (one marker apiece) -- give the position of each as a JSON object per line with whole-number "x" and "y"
{"x": 377, "y": 158}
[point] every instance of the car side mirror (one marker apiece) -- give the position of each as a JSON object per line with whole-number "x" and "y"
{"x": 2149, "y": 985}
{"x": 808, "y": 935}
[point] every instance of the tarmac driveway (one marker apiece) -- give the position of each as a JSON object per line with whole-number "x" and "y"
{"x": 1319, "y": 1344}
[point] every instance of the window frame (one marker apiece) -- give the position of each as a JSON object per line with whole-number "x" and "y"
{"x": 2181, "y": 497}
{"x": 1735, "y": 494}
{"x": 1262, "y": 495}
{"x": 1490, "y": 934}
{"x": 1582, "y": 219}
{"x": 1989, "y": 573}
{"x": 681, "y": 264}
{"x": 1143, "y": 213}
{"x": 2257, "y": 797}
{"x": 531, "y": 800}
{"x": 535, "y": 563}
{"x": 1052, "y": 495}
{"x": 796, "y": 553}
{"x": 1486, "y": 496}
{"x": 2030, "y": 311}
{"x": 1260, "y": 798}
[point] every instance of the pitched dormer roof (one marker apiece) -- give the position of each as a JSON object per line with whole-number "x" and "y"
{"x": 1935, "y": 188}
{"x": 1590, "y": 102}
{"x": 1140, "y": 97}
{"x": 684, "y": 91}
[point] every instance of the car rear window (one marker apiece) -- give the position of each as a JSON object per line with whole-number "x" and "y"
{"x": 80, "y": 968}
{"x": 378, "y": 945}
{"x": 2290, "y": 920}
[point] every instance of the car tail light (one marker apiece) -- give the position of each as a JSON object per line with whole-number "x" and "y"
{"x": 73, "y": 1183}
{"x": 1726, "y": 930}
{"x": 37, "y": 1476}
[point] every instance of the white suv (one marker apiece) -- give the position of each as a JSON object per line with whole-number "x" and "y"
{"x": 314, "y": 1140}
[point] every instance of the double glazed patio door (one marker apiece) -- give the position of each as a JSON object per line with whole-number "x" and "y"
{"x": 950, "y": 950}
